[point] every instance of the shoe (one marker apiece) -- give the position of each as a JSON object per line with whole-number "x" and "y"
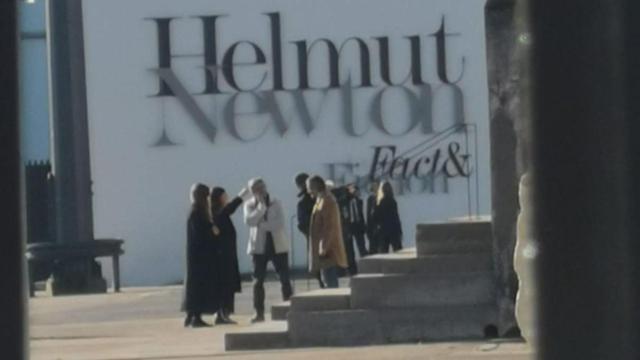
{"x": 230, "y": 321}
{"x": 198, "y": 323}
{"x": 224, "y": 321}
{"x": 258, "y": 318}
{"x": 188, "y": 321}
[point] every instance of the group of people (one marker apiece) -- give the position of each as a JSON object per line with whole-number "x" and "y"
{"x": 331, "y": 218}
{"x": 380, "y": 224}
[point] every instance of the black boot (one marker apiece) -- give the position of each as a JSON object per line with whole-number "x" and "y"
{"x": 188, "y": 320}
{"x": 258, "y": 318}
{"x": 198, "y": 322}
{"x": 320, "y": 282}
{"x": 227, "y": 317}
{"x": 223, "y": 319}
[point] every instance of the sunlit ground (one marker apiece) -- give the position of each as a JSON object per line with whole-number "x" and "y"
{"x": 143, "y": 323}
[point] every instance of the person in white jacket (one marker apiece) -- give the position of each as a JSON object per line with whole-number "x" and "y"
{"x": 268, "y": 241}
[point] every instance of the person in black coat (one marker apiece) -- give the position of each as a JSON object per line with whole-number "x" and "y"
{"x": 304, "y": 210}
{"x": 371, "y": 206}
{"x": 357, "y": 222}
{"x": 386, "y": 221}
{"x": 200, "y": 293}
{"x": 229, "y": 282}
{"x": 353, "y": 224}
{"x": 352, "y": 221}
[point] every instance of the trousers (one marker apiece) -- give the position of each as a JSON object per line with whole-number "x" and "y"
{"x": 330, "y": 277}
{"x": 281, "y": 265}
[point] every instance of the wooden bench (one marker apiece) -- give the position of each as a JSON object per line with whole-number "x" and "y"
{"x": 89, "y": 250}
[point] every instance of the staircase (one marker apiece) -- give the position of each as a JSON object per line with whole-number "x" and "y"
{"x": 444, "y": 289}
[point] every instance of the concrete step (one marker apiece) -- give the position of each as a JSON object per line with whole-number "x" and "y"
{"x": 460, "y": 237}
{"x": 409, "y": 263}
{"x": 411, "y": 250}
{"x": 263, "y": 336}
{"x": 280, "y": 311}
{"x": 375, "y": 327}
{"x": 414, "y": 290}
{"x": 322, "y": 300}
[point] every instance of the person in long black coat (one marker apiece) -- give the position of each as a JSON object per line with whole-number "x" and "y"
{"x": 229, "y": 282}
{"x": 305, "y": 208}
{"x": 386, "y": 220}
{"x": 371, "y": 206}
{"x": 357, "y": 221}
{"x": 200, "y": 293}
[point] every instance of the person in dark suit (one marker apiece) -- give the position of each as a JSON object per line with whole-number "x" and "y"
{"x": 357, "y": 222}
{"x": 343, "y": 200}
{"x": 386, "y": 220}
{"x": 229, "y": 282}
{"x": 371, "y": 206}
{"x": 200, "y": 289}
{"x": 305, "y": 208}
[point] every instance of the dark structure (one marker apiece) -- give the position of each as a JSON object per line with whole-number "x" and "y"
{"x": 12, "y": 284}
{"x": 40, "y": 214}
{"x": 54, "y": 258}
{"x": 585, "y": 83}
{"x": 69, "y": 121}
{"x": 510, "y": 140}
{"x": 39, "y": 204}
{"x": 71, "y": 169}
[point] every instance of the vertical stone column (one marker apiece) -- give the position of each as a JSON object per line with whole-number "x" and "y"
{"x": 70, "y": 144}
{"x": 13, "y": 331}
{"x": 70, "y": 136}
{"x": 585, "y": 67}
{"x": 509, "y": 141}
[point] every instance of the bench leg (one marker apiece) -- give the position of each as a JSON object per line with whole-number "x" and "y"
{"x": 116, "y": 273}
{"x": 32, "y": 283}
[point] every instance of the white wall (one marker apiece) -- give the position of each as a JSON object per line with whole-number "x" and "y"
{"x": 141, "y": 190}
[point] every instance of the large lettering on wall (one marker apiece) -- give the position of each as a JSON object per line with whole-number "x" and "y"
{"x": 221, "y": 66}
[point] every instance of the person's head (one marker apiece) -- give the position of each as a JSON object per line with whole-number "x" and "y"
{"x": 353, "y": 190}
{"x": 301, "y": 181}
{"x": 385, "y": 191}
{"x": 330, "y": 184}
{"x": 373, "y": 187}
{"x": 200, "y": 198}
{"x": 218, "y": 199}
{"x": 316, "y": 186}
{"x": 258, "y": 187}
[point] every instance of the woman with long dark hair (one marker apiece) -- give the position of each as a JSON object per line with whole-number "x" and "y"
{"x": 200, "y": 293}
{"x": 386, "y": 220}
{"x": 227, "y": 265}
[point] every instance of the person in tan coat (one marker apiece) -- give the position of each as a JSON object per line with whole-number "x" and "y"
{"x": 326, "y": 251}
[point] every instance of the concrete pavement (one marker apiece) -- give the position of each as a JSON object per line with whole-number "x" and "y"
{"x": 144, "y": 323}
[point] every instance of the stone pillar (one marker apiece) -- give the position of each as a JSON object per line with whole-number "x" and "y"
{"x": 14, "y": 329}
{"x": 508, "y": 148}
{"x": 70, "y": 144}
{"x": 585, "y": 67}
